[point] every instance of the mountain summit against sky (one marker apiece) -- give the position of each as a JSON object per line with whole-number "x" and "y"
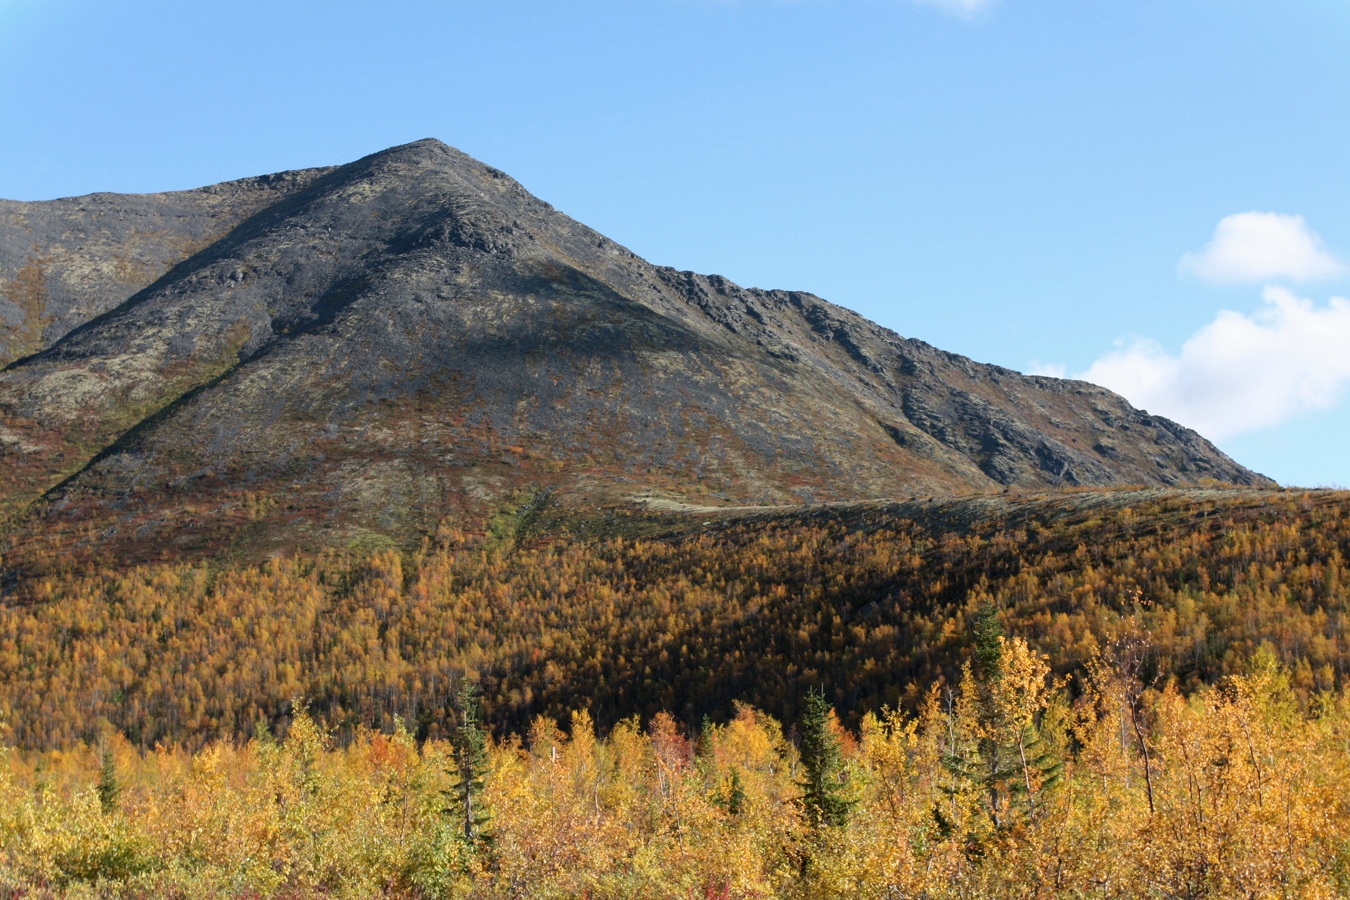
{"x": 386, "y": 345}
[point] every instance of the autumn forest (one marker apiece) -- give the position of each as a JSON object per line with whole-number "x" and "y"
{"x": 1104, "y": 694}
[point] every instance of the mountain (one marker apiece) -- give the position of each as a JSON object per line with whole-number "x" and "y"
{"x": 367, "y": 352}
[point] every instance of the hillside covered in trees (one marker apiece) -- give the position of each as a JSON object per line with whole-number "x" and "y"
{"x": 645, "y": 612}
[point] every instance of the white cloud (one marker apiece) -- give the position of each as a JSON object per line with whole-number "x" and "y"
{"x": 964, "y": 8}
{"x": 1240, "y": 372}
{"x": 1253, "y": 247}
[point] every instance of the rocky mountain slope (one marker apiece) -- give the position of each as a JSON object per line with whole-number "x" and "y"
{"x": 65, "y": 262}
{"x": 373, "y": 350}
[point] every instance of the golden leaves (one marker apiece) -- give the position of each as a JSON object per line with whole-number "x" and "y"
{"x": 1253, "y": 799}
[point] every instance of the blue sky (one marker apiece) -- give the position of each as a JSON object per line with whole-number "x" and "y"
{"x": 1154, "y": 193}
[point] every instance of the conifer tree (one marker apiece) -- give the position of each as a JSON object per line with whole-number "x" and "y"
{"x": 824, "y": 785}
{"x": 735, "y": 793}
{"x": 1003, "y": 692}
{"x": 109, "y": 791}
{"x": 469, "y": 761}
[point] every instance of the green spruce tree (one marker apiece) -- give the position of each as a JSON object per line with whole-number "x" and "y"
{"x": 109, "y": 791}
{"x": 469, "y": 762}
{"x": 825, "y": 779}
{"x": 1004, "y": 753}
{"x": 735, "y": 793}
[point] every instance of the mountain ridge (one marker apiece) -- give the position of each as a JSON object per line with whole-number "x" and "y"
{"x": 383, "y": 346}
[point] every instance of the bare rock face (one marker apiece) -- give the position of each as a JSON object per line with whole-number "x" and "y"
{"x": 386, "y": 346}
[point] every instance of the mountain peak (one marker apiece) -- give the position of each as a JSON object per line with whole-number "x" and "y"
{"x": 426, "y": 152}
{"x": 416, "y": 157}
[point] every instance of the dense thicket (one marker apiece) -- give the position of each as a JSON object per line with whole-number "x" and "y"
{"x": 1236, "y": 791}
{"x": 872, "y": 603}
